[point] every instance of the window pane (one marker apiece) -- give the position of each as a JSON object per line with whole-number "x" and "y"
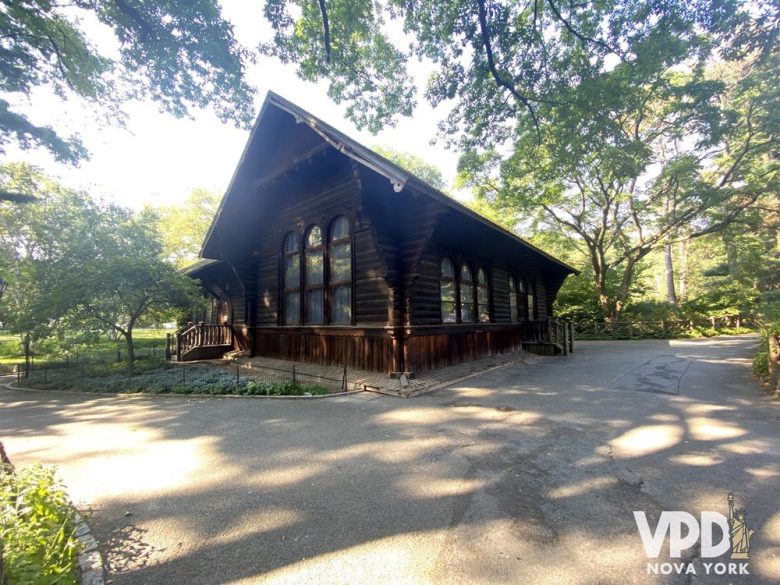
{"x": 447, "y": 270}
{"x": 290, "y": 243}
{"x": 314, "y": 263}
{"x": 483, "y": 303}
{"x": 466, "y": 302}
{"x": 481, "y": 277}
{"x": 292, "y": 271}
{"x": 465, "y": 274}
{"x": 448, "y": 291}
{"x": 292, "y": 308}
{"x": 314, "y": 238}
{"x": 341, "y": 304}
{"x": 340, "y": 228}
{"x": 522, "y": 287}
{"x": 340, "y": 262}
{"x": 448, "y": 312}
{"x": 315, "y": 306}
{"x": 512, "y": 302}
{"x": 511, "y": 284}
{"x": 531, "y": 306}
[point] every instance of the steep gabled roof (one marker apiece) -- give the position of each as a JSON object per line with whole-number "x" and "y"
{"x": 399, "y": 177}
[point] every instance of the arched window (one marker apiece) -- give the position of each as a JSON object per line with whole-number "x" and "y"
{"x": 483, "y": 297}
{"x": 291, "y": 269}
{"x": 447, "y": 292}
{"x": 531, "y": 295}
{"x": 513, "y": 315}
{"x": 314, "y": 281}
{"x": 522, "y": 300}
{"x": 466, "y": 295}
{"x": 340, "y": 277}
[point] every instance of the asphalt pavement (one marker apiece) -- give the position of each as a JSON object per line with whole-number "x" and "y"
{"x": 529, "y": 473}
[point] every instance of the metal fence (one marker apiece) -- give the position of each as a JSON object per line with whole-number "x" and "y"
{"x": 166, "y": 377}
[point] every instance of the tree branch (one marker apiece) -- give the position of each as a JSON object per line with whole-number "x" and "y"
{"x": 500, "y": 81}
{"x": 325, "y": 30}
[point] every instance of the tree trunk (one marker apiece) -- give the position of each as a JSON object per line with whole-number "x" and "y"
{"x": 731, "y": 255}
{"x": 671, "y": 295}
{"x": 27, "y": 356}
{"x": 130, "y": 347}
{"x": 683, "y": 290}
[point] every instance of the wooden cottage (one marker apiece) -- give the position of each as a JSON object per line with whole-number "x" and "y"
{"x": 324, "y": 251}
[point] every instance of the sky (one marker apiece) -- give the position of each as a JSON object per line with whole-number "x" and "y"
{"x": 158, "y": 159}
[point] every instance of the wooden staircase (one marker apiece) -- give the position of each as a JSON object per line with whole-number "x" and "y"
{"x": 198, "y": 341}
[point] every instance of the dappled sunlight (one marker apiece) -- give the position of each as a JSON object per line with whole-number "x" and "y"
{"x": 768, "y": 473}
{"x": 747, "y": 447}
{"x": 275, "y": 477}
{"x": 418, "y": 487}
{"x": 697, "y": 459}
{"x": 394, "y": 555}
{"x": 582, "y": 487}
{"x": 709, "y": 429}
{"x": 257, "y": 521}
{"x": 646, "y": 440}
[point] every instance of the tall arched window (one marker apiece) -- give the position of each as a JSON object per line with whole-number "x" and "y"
{"x": 291, "y": 268}
{"x": 483, "y": 296}
{"x": 340, "y": 277}
{"x": 314, "y": 281}
{"x": 447, "y": 292}
{"x": 466, "y": 295}
{"x": 513, "y": 315}
{"x": 522, "y": 299}
{"x": 531, "y": 294}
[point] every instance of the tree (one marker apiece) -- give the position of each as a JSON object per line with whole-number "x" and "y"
{"x": 123, "y": 277}
{"x": 75, "y": 265}
{"x": 631, "y": 163}
{"x": 415, "y": 165}
{"x": 179, "y": 53}
{"x": 494, "y": 61}
{"x": 183, "y": 228}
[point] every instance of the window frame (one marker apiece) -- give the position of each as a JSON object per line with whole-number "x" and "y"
{"x": 531, "y": 305}
{"x": 461, "y": 303}
{"x": 483, "y": 286}
{"x": 455, "y": 302}
{"x": 320, "y": 286}
{"x": 294, "y": 290}
{"x": 330, "y": 284}
{"x": 514, "y": 312}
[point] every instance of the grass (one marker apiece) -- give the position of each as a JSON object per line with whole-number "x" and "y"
{"x": 37, "y": 524}
{"x": 12, "y": 353}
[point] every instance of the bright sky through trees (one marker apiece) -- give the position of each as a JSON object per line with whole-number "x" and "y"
{"x": 158, "y": 159}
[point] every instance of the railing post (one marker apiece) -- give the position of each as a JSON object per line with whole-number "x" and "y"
{"x": 565, "y": 339}
{"x": 201, "y": 334}
{"x": 549, "y": 331}
{"x": 571, "y": 336}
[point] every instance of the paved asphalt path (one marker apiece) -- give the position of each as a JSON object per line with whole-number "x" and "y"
{"x": 525, "y": 474}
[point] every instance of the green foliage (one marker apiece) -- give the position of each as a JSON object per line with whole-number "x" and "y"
{"x": 761, "y": 361}
{"x": 153, "y": 378}
{"x": 76, "y": 267}
{"x": 415, "y": 165}
{"x": 37, "y": 523}
{"x": 179, "y": 53}
{"x": 183, "y": 228}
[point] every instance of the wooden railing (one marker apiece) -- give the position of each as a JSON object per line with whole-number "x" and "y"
{"x": 194, "y": 335}
{"x": 656, "y": 329}
{"x": 555, "y": 331}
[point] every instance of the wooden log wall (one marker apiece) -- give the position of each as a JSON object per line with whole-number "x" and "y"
{"x": 365, "y": 348}
{"x": 446, "y": 346}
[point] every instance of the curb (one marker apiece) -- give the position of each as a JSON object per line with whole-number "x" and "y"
{"x": 90, "y": 561}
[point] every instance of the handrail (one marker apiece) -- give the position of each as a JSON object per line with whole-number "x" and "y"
{"x": 195, "y": 335}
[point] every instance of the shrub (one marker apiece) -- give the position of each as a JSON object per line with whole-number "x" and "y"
{"x": 37, "y": 523}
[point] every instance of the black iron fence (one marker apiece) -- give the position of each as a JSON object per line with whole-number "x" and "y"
{"x": 165, "y": 377}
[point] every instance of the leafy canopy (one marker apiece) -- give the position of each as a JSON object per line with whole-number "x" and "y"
{"x": 180, "y": 53}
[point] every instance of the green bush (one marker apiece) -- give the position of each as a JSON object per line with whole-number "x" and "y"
{"x": 37, "y": 523}
{"x": 761, "y": 361}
